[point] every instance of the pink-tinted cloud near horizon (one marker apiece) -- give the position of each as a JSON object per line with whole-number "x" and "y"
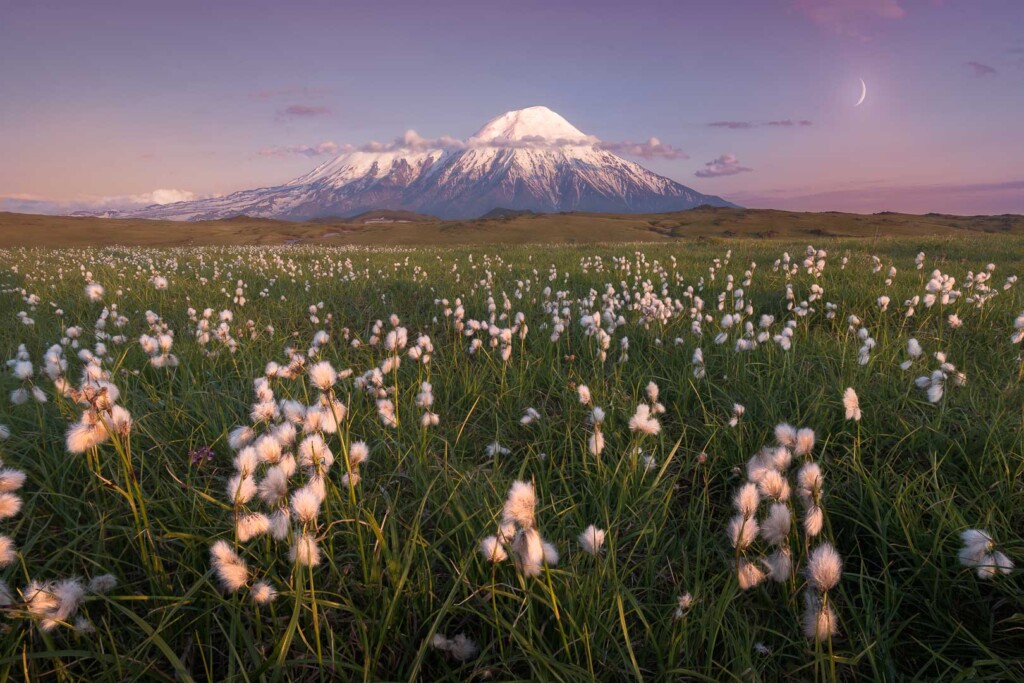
{"x": 328, "y": 147}
{"x": 981, "y": 70}
{"x": 653, "y": 148}
{"x": 305, "y": 110}
{"x": 288, "y": 91}
{"x": 725, "y": 165}
{"x": 26, "y": 203}
{"x": 963, "y": 199}
{"x": 744, "y": 125}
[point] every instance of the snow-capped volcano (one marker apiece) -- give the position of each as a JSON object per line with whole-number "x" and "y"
{"x": 530, "y": 124}
{"x": 525, "y": 159}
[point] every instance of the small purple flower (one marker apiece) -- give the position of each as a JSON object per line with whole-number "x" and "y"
{"x": 200, "y": 455}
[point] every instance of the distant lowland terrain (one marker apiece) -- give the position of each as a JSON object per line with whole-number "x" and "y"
{"x": 499, "y": 226}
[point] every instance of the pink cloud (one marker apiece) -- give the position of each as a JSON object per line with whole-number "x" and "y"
{"x": 727, "y": 164}
{"x": 981, "y": 70}
{"x": 731, "y": 125}
{"x": 288, "y": 91}
{"x": 305, "y": 110}
{"x": 328, "y": 147}
{"x": 25, "y": 203}
{"x": 848, "y": 17}
{"x": 652, "y": 149}
{"x": 963, "y": 199}
{"x": 743, "y": 125}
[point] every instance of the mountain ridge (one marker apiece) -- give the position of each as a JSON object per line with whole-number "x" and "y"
{"x": 526, "y": 160}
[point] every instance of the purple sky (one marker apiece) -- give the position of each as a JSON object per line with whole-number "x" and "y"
{"x": 108, "y": 103}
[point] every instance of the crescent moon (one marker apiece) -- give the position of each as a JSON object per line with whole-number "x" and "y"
{"x": 863, "y": 92}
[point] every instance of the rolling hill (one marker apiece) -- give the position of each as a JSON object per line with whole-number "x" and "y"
{"x": 31, "y": 230}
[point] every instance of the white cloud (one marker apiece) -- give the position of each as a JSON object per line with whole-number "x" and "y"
{"x": 652, "y": 149}
{"x": 166, "y": 196}
{"x": 328, "y": 147}
{"x": 413, "y": 141}
{"x": 727, "y": 164}
{"x": 27, "y": 203}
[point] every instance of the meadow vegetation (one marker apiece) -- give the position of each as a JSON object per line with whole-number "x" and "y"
{"x": 729, "y": 460}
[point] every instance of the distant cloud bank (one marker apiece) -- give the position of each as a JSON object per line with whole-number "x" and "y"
{"x": 652, "y": 148}
{"x": 962, "y": 199}
{"x": 743, "y": 125}
{"x": 21, "y": 203}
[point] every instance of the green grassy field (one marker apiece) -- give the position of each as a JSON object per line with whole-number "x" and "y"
{"x": 400, "y": 573}
{"x": 25, "y": 230}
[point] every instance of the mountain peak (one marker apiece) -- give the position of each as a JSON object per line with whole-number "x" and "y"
{"x": 519, "y": 160}
{"x": 528, "y": 125}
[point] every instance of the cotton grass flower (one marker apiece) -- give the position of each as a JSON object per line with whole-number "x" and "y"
{"x": 54, "y": 603}
{"x": 102, "y": 584}
{"x": 804, "y": 442}
{"x": 737, "y": 412}
{"x": 241, "y": 489}
{"x": 776, "y": 526}
{"x": 251, "y": 525}
{"x": 94, "y": 292}
{"x": 263, "y": 593}
{"x": 785, "y": 434}
{"x": 520, "y": 504}
{"x": 494, "y": 448}
{"x": 747, "y": 499}
{"x": 274, "y": 486}
{"x": 358, "y": 453}
{"x": 979, "y": 553}
{"x": 749, "y": 575}
{"x": 814, "y": 520}
{"x": 642, "y": 422}
{"x": 529, "y": 552}
{"x": 87, "y": 433}
{"x": 305, "y": 503}
{"x": 824, "y": 567}
{"x": 231, "y": 570}
{"x": 461, "y": 648}
{"x": 240, "y": 436}
{"x": 779, "y": 565}
{"x": 683, "y": 605}
{"x": 809, "y": 481}
{"x": 8, "y": 551}
{"x": 592, "y": 539}
{"x": 550, "y": 553}
{"x": 323, "y": 375}
{"x": 10, "y": 505}
{"x": 819, "y": 621}
{"x": 742, "y": 532}
{"x": 773, "y": 485}
{"x": 851, "y": 404}
{"x": 305, "y": 551}
{"x": 493, "y": 550}
{"x": 11, "y": 479}
{"x": 529, "y": 417}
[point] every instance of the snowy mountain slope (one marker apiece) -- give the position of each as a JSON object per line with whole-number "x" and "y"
{"x": 528, "y": 159}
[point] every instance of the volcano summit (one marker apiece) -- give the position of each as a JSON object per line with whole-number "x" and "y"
{"x": 528, "y": 159}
